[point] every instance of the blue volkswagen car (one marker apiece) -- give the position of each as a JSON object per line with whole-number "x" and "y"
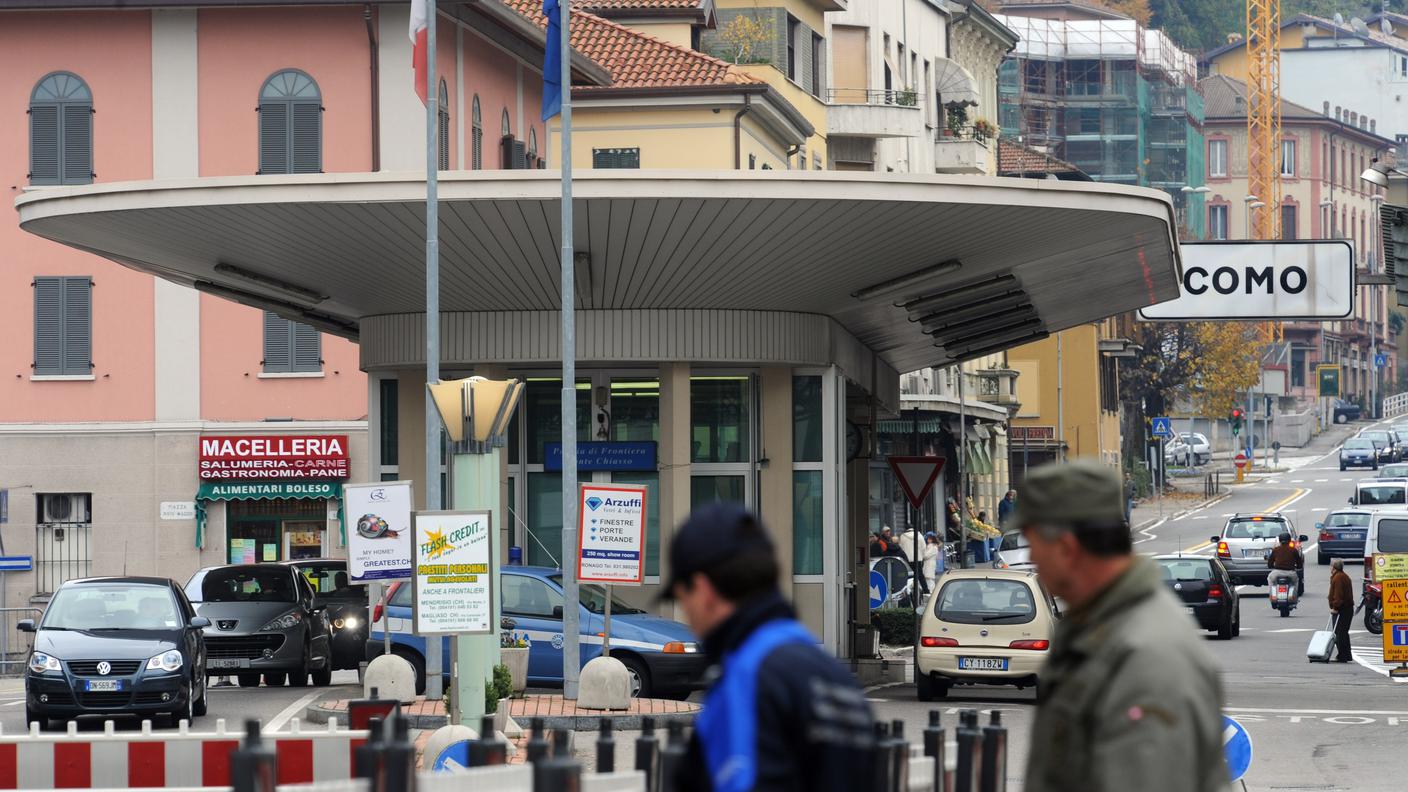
{"x": 661, "y": 655}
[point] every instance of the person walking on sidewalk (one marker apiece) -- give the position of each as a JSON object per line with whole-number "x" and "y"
{"x": 1342, "y": 607}
{"x": 782, "y": 714}
{"x": 1005, "y": 507}
{"x": 1129, "y": 698}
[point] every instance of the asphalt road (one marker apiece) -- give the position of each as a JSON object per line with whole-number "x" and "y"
{"x": 1313, "y": 726}
{"x": 274, "y": 707}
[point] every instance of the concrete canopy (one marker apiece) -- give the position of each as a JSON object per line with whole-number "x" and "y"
{"x": 921, "y": 270}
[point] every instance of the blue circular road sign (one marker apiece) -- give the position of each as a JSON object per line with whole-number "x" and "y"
{"x": 879, "y": 589}
{"x": 1236, "y": 747}
{"x": 454, "y": 757}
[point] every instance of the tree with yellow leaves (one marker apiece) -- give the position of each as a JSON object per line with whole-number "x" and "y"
{"x": 1230, "y": 363}
{"x": 744, "y": 38}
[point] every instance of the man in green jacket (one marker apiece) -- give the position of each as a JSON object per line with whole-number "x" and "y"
{"x": 1129, "y": 697}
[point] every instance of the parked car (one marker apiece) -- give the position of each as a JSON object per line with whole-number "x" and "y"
{"x": 1359, "y": 452}
{"x": 662, "y": 656}
{"x": 264, "y": 622}
{"x": 1385, "y": 442}
{"x": 1014, "y": 553}
{"x": 1177, "y": 452}
{"x": 1346, "y": 411}
{"x": 116, "y": 646}
{"x": 1204, "y": 585}
{"x": 1247, "y": 539}
{"x": 984, "y": 626}
{"x": 1198, "y": 445}
{"x": 346, "y": 608}
{"x": 1342, "y": 534}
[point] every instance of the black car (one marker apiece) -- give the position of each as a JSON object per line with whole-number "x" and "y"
{"x": 116, "y": 646}
{"x": 1359, "y": 452}
{"x": 1385, "y": 442}
{"x": 1347, "y": 411}
{"x": 264, "y": 623}
{"x": 346, "y": 607}
{"x": 1203, "y": 585}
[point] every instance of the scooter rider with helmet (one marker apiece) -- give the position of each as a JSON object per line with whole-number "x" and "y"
{"x": 1286, "y": 558}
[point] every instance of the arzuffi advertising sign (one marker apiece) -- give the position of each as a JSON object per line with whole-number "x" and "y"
{"x": 453, "y": 586}
{"x": 1250, "y": 280}
{"x": 274, "y": 457}
{"x": 379, "y": 547}
{"x": 611, "y": 536}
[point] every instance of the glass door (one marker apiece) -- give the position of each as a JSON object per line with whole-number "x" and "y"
{"x": 303, "y": 539}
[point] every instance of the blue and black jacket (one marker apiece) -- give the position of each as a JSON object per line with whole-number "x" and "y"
{"x": 782, "y": 714}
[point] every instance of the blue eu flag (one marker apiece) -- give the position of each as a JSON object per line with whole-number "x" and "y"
{"x": 552, "y": 62}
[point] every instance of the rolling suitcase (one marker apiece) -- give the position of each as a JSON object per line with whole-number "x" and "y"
{"x": 1322, "y": 644}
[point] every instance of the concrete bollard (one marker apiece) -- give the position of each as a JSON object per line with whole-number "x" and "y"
{"x": 970, "y": 749}
{"x": 994, "y": 777}
{"x": 936, "y": 748}
{"x": 393, "y": 677}
{"x": 443, "y": 738}
{"x": 253, "y": 765}
{"x": 648, "y": 754}
{"x": 605, "y": 748}
{"x": 605, "y": 684}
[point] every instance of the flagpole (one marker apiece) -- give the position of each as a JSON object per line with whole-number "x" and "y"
{"x": 434, "y": 663}
{"x": 571, "y": 630}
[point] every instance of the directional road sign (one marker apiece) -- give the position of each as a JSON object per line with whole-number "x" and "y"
{"x": 879, "y": 589}
{"x": 453, "y": 758}
{"x": 1395, "y": 643}
{"x": 16, "y": 563}
{"x": 917, "y": 475}
{"x": 1395, "y": 600}
{"x": 1163, "y": 427}
{"x": 1236, "y": 747}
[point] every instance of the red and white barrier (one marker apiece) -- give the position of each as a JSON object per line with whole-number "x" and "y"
{"x": 180, "y": 759}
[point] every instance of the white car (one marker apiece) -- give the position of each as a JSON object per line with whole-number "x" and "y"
{"x": 1198, "y": 443}
{"x": 1014, "y": 553}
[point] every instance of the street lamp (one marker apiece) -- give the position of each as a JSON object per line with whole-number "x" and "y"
{"x": 1252, "y": 203}
{"x": 476, "y": 412}
{"x": 1376, "y": 174}
{"x": 1328, "y": 204}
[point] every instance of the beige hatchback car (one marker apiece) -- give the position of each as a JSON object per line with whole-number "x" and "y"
{"x": 984, "y": 627}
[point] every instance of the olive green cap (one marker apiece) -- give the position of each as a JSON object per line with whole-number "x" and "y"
{"x": 1065, "y": 493}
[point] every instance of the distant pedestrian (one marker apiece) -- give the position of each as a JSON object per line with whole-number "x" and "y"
{"x": 1130, "y": 699}
{"x": 892, "y": 545}
{"x": 1129, "y": 490}
{"x": 911, "y": 544}
{"x": 783, "y": 714}
{"x": 1005, "y": 507}
{"x": 1342, "y": 606}
{"x": 933, "y": 555}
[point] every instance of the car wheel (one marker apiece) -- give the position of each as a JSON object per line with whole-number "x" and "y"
{"x": 1322, "y": 559}
{"x": 924, "y": 687}
{"x": 1237, "y": 620}
{"x": 323, "y": 676}
{"x": 1341, "y": 467}
{"x": 1341, "y": 418}
{"x": 275, "y": 678}
{"x": 640, "y": 675}
{"x": 248, "y": 680}
{"x": 1224, "y": 630}
{"x": 417, "y": 663}
{"x": 202, "y": 704}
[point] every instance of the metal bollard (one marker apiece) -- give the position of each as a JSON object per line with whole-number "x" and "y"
{"x": 883, "y": 766}
{"x": 936, "y": 748}
{"x": 605, "y": 748}
{"x": 398, "y": 759}
{"x": 994, "y": 777}
{"x": 648, "y": 754}
{"x": 488, "y": 750}
{"x": 559, "y": 772}
{"x": 899, "y": 756}
{"x": 537, "y": 749}
{"x": 366, "y": 760}
{"x": 254, "y": 766}
{"x": 672, "y": 757}
{"x": 970, "y": 749}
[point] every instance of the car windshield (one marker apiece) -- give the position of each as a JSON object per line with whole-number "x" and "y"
{"x": 1185, "y": 569}
{"x": 594, "y": 598}
{"x": 1393, "y": 471}
{"x": 248, "y": 584}
{"x": 986, "y": 601}
{"x": 112, "y": 606}
{"x": 329, "y": 580}
{"x": 1393, "y": 536}
{"x": 1382, "y": 494}
{"x": 1347, "y": 521}
{"x": 1357, "y": 443}
{"x": 1253, "y": 529}
{"x": 1013, "y": 540}
{"x": 1377, "y": 437}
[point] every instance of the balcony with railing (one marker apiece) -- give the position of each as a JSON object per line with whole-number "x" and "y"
{"x": 858, "y": 112}
{"x": 965, "y": 149}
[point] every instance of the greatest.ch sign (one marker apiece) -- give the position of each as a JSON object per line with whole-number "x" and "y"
{"x": 274, "y": 457}
{"x": 1251, "y": 280}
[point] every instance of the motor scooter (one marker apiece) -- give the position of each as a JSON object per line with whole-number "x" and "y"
{"x": 1285, "y": 594}
{"x": 1373, "y": 606}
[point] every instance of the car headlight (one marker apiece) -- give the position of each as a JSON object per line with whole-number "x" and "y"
{"x": 349, "y": 623}
{"x": 40, "y": 662}
{"x": 285, "y": 622}
{"x": 166, "y": 661}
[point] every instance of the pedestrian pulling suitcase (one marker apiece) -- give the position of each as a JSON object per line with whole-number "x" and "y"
{"x": 1322, "y": 644}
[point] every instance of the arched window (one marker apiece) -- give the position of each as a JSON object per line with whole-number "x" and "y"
{"x": 61, "y": 131}
{"x": 507, "y": 130}
{"x": 290, "y": 124}
{"x": 443, "y": 112}
{"x": 532, "y": 147}
{"x": 476, "y": 136}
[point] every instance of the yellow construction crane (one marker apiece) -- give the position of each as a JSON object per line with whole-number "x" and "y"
{"x": 1264, "y": 125}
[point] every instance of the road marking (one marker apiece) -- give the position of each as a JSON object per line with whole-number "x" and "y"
{"x": 12, "y": 703}
{"x": 1347, "y": 479}
{"x": 1298, "y": 481}
{"x": 1265, "y": 711}
{"x": 291, "y": 711}
{"x": 1200, "y": 517}
{"x": 1321, "y": 481}
{"x": 1294, "y": 630}
{"x": 1287, "y": 501}
{"x": 1319, "y": 508}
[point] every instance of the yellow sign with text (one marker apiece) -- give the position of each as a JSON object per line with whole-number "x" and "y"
{"x": 1395, "y": 601}
{"x": 1391, "y": 566}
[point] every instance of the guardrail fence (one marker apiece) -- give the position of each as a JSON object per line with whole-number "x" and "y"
{"x": 1395, "y": 405}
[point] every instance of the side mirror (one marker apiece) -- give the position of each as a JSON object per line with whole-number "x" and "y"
{"x": 1351, "y": 501}
{"x": 505, "y": 623}
{"x": 1318, "y": 526}
{"x": 200, "y": 622}
{"x": 1304, "y": 538}
{"x": 25, "y": 625}
{"x": 557, "y": 611}
{"x": 1216, "y": 539}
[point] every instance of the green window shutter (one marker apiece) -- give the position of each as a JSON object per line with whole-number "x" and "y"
{"x": 77, "y": 131}
{"x": 48, "y": 326}
{"x": 306, "y": 137}
{"x": 444, "y": 141}
{"x": 803, "y": 46}
{"x": 78, "y": 326}
{"x": 307, "y": 348}
{"x": 44, "y": 144}
{"x": 278, "y": 354}
{"x": 609, "y": 158}
{"x": 273, "y": 138}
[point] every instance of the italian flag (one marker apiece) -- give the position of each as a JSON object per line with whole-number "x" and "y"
{"x": 420, "y": 22}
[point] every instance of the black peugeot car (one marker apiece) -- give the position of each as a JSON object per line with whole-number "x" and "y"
{"x": 1202, "y": 583}
{"x": 116, "y": 646}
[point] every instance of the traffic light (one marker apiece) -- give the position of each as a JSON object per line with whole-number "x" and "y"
{"x": 1236, "y": 420}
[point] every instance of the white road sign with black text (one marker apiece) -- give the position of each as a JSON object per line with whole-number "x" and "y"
{"x": 611, "y": 539}
{"x": 1251, "y": 280}
{"x": 379, "y": 542}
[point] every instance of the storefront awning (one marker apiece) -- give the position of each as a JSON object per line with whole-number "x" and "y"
{"x": 265, "y": 490}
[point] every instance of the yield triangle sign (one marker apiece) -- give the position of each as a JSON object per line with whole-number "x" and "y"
{"x": 917, "y": 475}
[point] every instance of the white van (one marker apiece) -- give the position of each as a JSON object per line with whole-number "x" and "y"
{"x": 1381, "y": 493}
{"x": 1388, "y": 533}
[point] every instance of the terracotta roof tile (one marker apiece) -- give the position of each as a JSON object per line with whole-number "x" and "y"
{"x": 1014, "y": 158}
{"x": 637, "y": 60}
{"x": 609, "y": 5}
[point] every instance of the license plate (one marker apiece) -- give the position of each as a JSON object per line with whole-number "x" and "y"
{"x": 982, "y": 663}
{"x": 224, "y": 663}
{"x": 1355, "y": 535}
{"x": 102, "y": 685}
{"x": 1254, "y": 552}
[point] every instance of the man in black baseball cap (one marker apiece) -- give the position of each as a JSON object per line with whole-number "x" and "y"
{"x": 782, "y": 714}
